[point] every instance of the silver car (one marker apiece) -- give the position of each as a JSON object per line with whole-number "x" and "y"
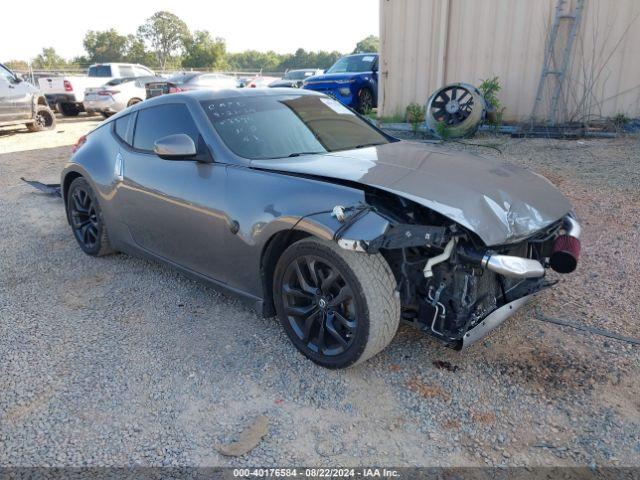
{"x": 305, "y": 210}
{"x": 116, "y": 95}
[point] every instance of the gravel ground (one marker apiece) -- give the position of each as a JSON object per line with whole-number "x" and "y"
{"x": 120, "y": 361}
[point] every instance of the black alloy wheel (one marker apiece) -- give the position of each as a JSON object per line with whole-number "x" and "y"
{"x": 44, "y": 119}
{"x": 365, "y": 100}
{"x": 338, "y": 307}
{"x": 320, "y": 305}
{"x": 452, "y": 105}
{"x": 85, "y": 217}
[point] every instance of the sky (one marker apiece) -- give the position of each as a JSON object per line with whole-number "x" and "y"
{"x": 279, "y": 25}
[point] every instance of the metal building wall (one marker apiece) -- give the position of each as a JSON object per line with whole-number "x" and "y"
{"x": 427, "y": 43}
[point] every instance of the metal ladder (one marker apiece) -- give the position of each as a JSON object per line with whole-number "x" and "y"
{"x": 553, "y": 75}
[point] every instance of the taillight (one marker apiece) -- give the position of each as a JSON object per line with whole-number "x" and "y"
{"x": 79, "y": 143}
{"x": 253, "y": 85}
{"x": 175, "y": 89}
{"x": 67, "y": 86}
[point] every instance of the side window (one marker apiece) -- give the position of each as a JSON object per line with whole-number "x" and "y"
{"x": 141, "y": 82}
{"x": 141, "y": 71}
{"x": 157, "y": 122}
{"x": 100, "y": 71}
{"x": 126, "y": 71}
{"x": 121, "y": 128}
{"x": 6, "y": 74}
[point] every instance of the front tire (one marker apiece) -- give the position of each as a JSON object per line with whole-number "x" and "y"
{"x": 85, "y": 217}
{"x": 365, "y": 101}
{"x": 339, "y": 308}
{"x": 44, "y": 120}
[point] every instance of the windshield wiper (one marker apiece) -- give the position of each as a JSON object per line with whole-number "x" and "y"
{"x": 299, "y": 154}
{"x": 365, "y": 145}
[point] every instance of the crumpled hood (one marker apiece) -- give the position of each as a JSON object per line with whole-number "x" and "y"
{"x": 500, "y": 202}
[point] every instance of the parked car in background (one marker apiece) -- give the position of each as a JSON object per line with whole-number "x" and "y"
{"x": 294, "y": 78}
{"x": 67, "y": 92}
{"x": 352, "y": 80}
{"x": 22, "y": 103}
{"x": 189, "y": 81}
{"x": 260, "y": 82}
{"x": 117, "y": 94}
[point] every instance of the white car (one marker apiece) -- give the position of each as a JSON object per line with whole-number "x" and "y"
{"x": 117, "y": 94}
{"x": 260, "y": 82}
{"x": 67, "y": 92}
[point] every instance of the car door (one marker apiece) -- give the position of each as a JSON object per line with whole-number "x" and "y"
{"x": 23, "y": 92}
{"x": 8, "y": 95}
{"x": 173, "y": 208}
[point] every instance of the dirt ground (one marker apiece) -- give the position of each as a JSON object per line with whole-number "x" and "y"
{"x": 120, "y": 361}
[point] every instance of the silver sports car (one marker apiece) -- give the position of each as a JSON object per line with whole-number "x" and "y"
{"x": 305, "y": 210}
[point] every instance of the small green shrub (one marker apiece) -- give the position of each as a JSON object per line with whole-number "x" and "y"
{"x": 415, "y": 115}
{"x": 489, "y": 89}
{"x": 442, "y": 130}
{"x": 620, "y": 121}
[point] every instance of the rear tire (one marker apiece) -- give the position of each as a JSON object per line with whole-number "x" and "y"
{"x": 68, "y": 109}
{"x": 44, "y": 120}
{"x": 339, "y": 308}
{"x": 85, "y": 216}
{"x": 133, "y": 101}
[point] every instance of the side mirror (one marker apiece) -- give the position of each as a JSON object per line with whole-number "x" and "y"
{"x": 17, "y": 79}
{"x": 175, "y": 147}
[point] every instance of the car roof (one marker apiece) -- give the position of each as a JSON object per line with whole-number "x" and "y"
{"x": 204, "y": 95}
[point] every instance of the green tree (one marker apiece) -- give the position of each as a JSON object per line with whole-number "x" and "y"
{"x": 371, "y": 44}
{"x": 254, "y": 60}
{"x": 136, "y": 52}
{"x": 17, "y": 65}
{"x": 165, "y": 33}
{"x": 80, "y": 61}
{"x": 105, "y": 46}
{"x": 202, "y": 51}
{"x": 49, "y": 60}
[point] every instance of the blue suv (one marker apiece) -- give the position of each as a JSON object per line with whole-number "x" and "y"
{"x": 352, "y": 80}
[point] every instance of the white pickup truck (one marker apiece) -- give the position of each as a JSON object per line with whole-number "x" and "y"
{"x": 67, "y": 93}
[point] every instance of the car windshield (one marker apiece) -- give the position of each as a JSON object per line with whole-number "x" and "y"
{"x": 354, "y": 64}
{"x": 297, "y": 74}
{"x": 181, "y": 78}
{"x": 269, "y": 127}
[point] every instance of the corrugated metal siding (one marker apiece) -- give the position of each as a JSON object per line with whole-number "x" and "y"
{"x": 507, "y": 38}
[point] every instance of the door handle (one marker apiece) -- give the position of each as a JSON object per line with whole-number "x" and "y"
{"x": 119, "y": 168}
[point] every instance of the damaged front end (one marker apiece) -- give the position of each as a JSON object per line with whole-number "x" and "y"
{"x": 451, "y": 285}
